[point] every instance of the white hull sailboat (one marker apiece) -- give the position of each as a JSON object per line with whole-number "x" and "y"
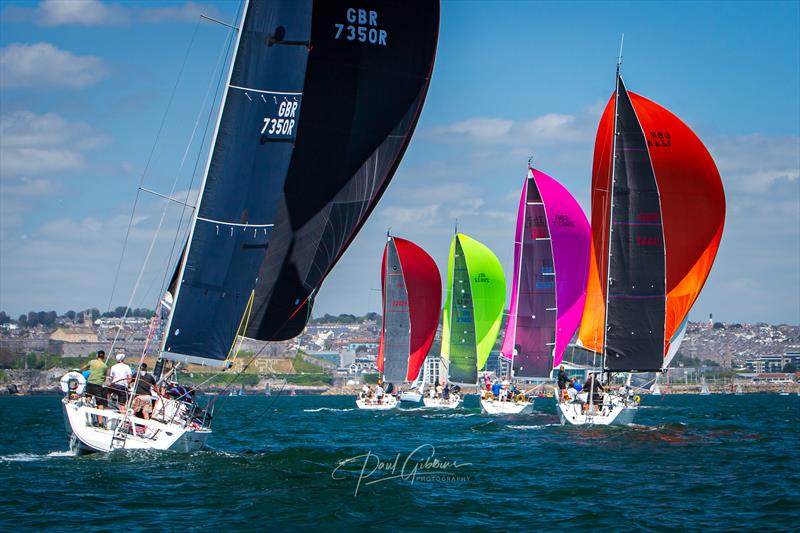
{"x": 410, "y": 396}
{"x": 511, "y": 407}
{"x": 369, "y": 404}
{"x": 658, "y": 211}
{"x": 272, "y": 218}
{"x": 471, "y": 317}
{"x": 411, "y": 292}
{"x": 550, "y": 241}
{"x": 618, "y": 412}
{"x": 452, "y": 402}
{"x": 118, "y": 431}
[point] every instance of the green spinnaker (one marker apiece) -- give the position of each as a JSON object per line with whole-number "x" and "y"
{"x": 473, "y": 309}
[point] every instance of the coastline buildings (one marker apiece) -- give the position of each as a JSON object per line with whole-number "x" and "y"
{"x": 769, "y": 364}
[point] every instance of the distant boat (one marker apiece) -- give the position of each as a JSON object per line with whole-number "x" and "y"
{"x": 739, "y": 389}
{"x": 411, "y": 297}
{"x": 655, "y": 390}
{"x": 658, "y": 210}
{"x": 551, "y": 258}
{"x": 704, "y": 389}
{"x": 473, "y": 310}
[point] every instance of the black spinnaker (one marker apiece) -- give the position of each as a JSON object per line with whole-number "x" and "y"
{"x": 321, "y": 104}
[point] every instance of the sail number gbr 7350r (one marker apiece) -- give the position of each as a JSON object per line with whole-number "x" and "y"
{"x": 284, "y": 124}
{"x": 361, "y": 25}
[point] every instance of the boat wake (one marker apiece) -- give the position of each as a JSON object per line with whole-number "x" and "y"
{"x": 28, "y": 457}
{"x": 449, "y": 415}
{"x": 534, "y": 426}
{"x": 319, "y": 409}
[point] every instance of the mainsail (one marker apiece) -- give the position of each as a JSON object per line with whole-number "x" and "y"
{"x": 551, "y": 259}
{"x": 318, "y": 110}
{"x": 473, "y": 309}
{"x": 412, "y": 295}
{"x": 658, "y": 210}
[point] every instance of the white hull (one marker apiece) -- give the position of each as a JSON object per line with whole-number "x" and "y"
{"x": 496, "y": 407}
{"x": 410, "y": 396}
{"x": 87, "y": 436}
{"x": 389, "y": 402}
{"x": 618, "y": 414}
{"x": 440, "y": 403}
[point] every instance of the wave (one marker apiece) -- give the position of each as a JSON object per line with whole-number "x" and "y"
{"x": 319, "y": 409}
{"x": 27, "y": 457}
{"x": 450, "y": 415}
{"x": 534, "y": 427}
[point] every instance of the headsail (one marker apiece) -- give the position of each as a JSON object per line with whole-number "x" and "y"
{"x": 412, "y": 295}
{"x": 551, "y": 255}
{"x": 660, "y": 226}
{"x": 320, "y": 105}
{"x": 473, "y": 309}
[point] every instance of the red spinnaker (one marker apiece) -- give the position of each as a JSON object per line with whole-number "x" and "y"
{"x": 692, "y": 210}
{"x": 424, "y": 285}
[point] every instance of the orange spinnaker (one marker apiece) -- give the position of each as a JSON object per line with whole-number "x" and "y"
{"x": 692, "y": 212}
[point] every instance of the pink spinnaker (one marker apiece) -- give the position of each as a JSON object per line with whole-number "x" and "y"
{"x": 549, "y": 283}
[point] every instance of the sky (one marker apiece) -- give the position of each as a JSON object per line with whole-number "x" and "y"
{"x": 98, "y": 98}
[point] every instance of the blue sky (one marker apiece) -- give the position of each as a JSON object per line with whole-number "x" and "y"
{"x": 84, "y": 86}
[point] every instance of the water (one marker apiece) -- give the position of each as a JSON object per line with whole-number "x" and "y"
{"x": 714, "y": 462}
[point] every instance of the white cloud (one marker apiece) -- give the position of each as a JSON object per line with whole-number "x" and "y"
{"x": 39, "y": 161}
{"x": 548, "y": 128}
{"x": 32, "y": 144}
{"x": 476, "y": 129}
{"x": 42, "y": 65}
{"x": 752, "y": 164}
{"x": 80, "y": 12}
{"x": 98, "y": 13}
{"x": 398, "y": 216}
{"x": 188, "y": 12}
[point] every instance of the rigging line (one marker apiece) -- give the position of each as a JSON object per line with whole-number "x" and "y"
{"x": 164, "y": 211}
{"x": 223, "y": 54}
{"x": 149, "y": 160}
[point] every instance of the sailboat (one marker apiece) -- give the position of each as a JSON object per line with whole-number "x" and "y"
{"x": 318, "y": 107}
{"x": 412, "y": 295}
{"x": 655, "y": 389}
{"x": 704, "y": 387}
{"x": 473, "y": 310}
{"x": 658, "y": 210}
{"x": 551, "y": 260}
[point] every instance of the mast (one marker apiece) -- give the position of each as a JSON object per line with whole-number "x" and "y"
{"x": 519, "y": 278}
{"x": 555, "y": 278}
{"x": 383, "y": 298}
{"x": 611, "y": 203}
{"x": 610, "y": 218}
{"x": 196, "y": 211}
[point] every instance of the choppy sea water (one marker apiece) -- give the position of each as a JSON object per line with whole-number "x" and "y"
{"x": 719, "y": 462}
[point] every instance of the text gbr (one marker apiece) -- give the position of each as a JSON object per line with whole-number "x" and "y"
{"x": 284, "y": 124}
{"x": 362, "y": 27}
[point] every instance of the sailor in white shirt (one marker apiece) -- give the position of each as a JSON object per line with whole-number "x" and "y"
{"x": 120, "y": 377}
